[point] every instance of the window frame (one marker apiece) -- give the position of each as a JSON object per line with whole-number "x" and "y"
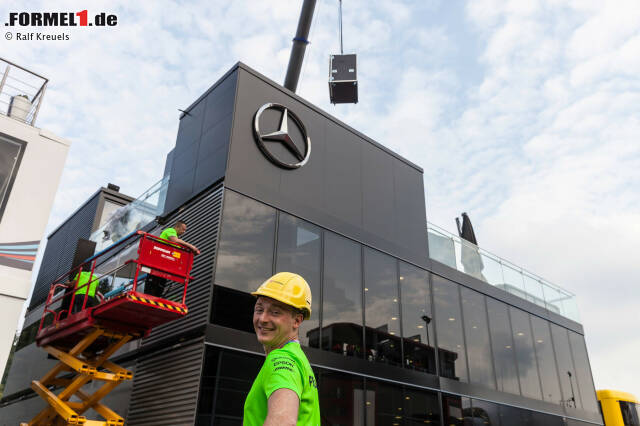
{"x": 16, "y": 166}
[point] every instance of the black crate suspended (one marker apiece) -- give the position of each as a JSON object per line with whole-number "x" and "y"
{"x": 343, "y": 81}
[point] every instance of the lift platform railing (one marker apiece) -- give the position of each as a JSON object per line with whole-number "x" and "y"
{"x": 121, "y": 268}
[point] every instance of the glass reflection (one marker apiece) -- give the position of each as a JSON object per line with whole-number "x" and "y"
{"x": 299, "y": 246}
{"x": 451, "y": 348}
{"x": 382, "y": 315}
{"x": 342, "y": 297}
{"x": 420, "y": 407}
{"x": 417, "y": 316}
{"x": 341, "y": 398}
{"x": 484, "y": 413}
{"x": 456, "y": 410}
{"x": 477, "y": 334}
{"x": 511, "y": 415}
{"x": 502, "y": 345}
{"x": 583, "y": 377}
{"x": 542, "y": 419}
{"x": 245, "y": 256}
{"x": 546, "y": 360}
{"x": 566, "y": 370}
{"x": 226, "y": 380}
{"x": 389, "y": 404}
{"x": 525, "y": 354}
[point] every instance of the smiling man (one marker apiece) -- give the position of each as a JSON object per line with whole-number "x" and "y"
{"x": 285, "y": 392}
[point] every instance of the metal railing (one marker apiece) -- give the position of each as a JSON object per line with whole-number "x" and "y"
{"x": 133, "y": 216}
{"x": 21, "y": 92}
{"x": 466, "y": 257}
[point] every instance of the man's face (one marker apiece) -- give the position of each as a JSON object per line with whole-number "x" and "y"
{"x": 181, "y": 229}
{"x": 274, "y": 322}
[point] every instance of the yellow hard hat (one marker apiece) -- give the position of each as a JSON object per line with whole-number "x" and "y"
{"x": 288, "y": 288}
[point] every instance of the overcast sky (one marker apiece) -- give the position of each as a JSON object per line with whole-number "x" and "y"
{"x": 524, "y": 114}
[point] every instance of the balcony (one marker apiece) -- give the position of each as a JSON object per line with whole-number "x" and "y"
{"x": 21, "y": 92}
{"x": 470, "y": 259}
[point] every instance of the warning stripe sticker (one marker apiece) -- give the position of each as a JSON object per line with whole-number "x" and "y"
{"x": 154, "y": 303}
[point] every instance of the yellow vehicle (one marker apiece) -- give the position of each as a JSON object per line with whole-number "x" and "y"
{"x": 619, "y": 408}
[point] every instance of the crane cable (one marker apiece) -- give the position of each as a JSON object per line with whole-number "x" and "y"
{"x": 340, "y": 25}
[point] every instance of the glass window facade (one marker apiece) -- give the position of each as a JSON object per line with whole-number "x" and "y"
{"x": 345, "y": 399}
{"x": 245, "y": 256}
{"x": 417, "y": 319}
{"x": 485, "y": 413}
{"x": 546, "y": 360}
{"x": 476, "y": 330}
{"x": 451, "y": 347}
{"x": 342, "y": 297}
{"x": 227, "y": 377}
{"x": 583, "y": 375}
{"x": 525, "y": 354}
{"x": 348, "y": 399}
{"x": 420, "y": 407}
{"x": 299, "y": 251}
{"x": 370, "y": 305}
{"x": 341, "y": 398}
{"x": 244, "y": 259}
{"x": 456, "y": 410}
{"x": 504, "y": 356}
{"x": 382, "y": 308}
{"x": 10, "y": 155}
{"x": 566, "y": 370}
{"x": 391, "y": 404}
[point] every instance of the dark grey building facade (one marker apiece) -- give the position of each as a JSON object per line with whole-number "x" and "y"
{"x": 61, "y": 243}
{"x": 395, "y": 338}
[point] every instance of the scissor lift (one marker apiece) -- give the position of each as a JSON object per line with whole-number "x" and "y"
{"x": 83, "y": 337}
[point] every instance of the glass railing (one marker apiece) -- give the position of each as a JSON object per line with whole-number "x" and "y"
{"x": 466, "y": 257}
{"x": 133, "y": 216}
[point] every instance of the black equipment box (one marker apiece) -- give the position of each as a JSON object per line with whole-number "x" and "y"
{"x": 343, "y": 82}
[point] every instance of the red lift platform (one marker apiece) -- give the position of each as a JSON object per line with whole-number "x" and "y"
{"x": 83, "y": 334}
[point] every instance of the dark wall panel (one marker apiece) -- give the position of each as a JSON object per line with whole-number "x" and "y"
{"x": 29, "y": 363}
{"x": 165, "y": 386}
{"x": 203, "y": 219}
{"x": 60, "y": 249}
{"x": 350, "y": 185}
{"x": 200, "y": 154}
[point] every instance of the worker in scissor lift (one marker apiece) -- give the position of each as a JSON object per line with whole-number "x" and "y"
{"x": 285, "y": 391}
{"x": 84, "y": 287}
{"x": 155, "y": 286}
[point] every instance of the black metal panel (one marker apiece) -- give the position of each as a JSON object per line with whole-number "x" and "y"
{"x": 165, "y": 386}
{"x": 61, "y": 247}
{"x": 84, "y": 250}
{"x": 366, "y": 205}
{"x": 203, "y": 219}
{"x": 200, "y": 156}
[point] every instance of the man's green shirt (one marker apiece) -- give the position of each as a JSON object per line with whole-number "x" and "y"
{"x": 288, "y": 368}
{"x": 169, "y": 232}
{"x": 84, "y": 279}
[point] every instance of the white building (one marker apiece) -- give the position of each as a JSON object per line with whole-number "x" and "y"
{"x": 31, "y": 163}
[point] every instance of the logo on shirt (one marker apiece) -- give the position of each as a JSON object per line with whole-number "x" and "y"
{"x": 312, "y": 382}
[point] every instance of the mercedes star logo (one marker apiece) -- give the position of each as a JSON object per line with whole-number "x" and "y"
{"x": 283, "y": 137}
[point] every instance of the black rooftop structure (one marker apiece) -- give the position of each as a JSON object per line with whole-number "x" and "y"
{"x": 395, "y": 337}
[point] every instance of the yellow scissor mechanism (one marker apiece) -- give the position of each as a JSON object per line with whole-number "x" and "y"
{"x": 86, "y": 366}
